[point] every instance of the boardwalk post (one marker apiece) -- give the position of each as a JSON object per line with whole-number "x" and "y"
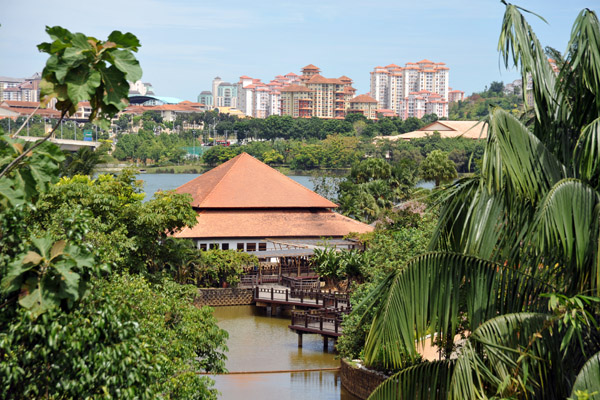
{"x": 336, "y": 325}
{"x": 287, "y": 292}
{"x": 306, "y": 319}
{"x": 302, "y": 296}
{"x": 321, "y": 323}
{"x": 272, "y": 293}
{"x": 299, "y": 339}
{"x": 325, "y": 343}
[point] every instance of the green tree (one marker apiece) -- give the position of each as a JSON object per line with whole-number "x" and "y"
{"x": 516, "y": 261}
{"x": 438, "y": 167}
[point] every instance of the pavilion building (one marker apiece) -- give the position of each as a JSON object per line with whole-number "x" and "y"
{"x": 246, "y": 205}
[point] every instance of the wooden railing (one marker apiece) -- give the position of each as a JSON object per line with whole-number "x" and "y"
{"x": 325, "y": 321}
{"x": 297, "y": 296}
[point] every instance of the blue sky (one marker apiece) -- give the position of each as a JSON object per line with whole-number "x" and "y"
{"x": 186, "y": 43}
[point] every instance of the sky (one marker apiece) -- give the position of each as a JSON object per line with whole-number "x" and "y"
{"x": 186, "y": 43}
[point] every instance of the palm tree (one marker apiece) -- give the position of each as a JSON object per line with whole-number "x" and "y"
{"x": 516, "y": 251}
{"x": 82, "y": 162}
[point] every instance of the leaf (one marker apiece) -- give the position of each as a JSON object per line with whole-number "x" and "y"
{"x": 126, "y": 62}
{"x": 588, "y": 378}
{"x": 33, "y": 258}
{"x": 125, "y": 40}
{"x": 114, "y": 88}
{"x": 57, "y": 249}
{"x": 59, "y": 33}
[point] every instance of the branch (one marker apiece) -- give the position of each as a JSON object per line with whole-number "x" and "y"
{"x": 24, "y": 123}
{"x": 26, "y": 152}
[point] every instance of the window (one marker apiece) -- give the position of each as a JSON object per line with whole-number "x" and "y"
{"x": 203, "y": 246}
{"x": 240, "y": 246}
{"x": 251, "y": 247}
{"x": 225, "y": 246}
{"x": 214, "y": 246}
{"x": 262, "y": 247}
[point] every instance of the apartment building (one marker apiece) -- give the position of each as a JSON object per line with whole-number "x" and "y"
{"x": 393, "y": 85}
{"x": 364, "y": 105}
{"x": 20, "y": 89}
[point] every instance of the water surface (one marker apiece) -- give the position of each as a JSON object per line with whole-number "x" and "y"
{"x": 260, "y": 343}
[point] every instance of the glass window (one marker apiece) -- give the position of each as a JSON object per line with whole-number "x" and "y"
{"x": 240, "y": 246}
{"x": 251, "y": 247}
{"x": 262, "y": 247}
{"x": 225, "y": 246}
{"x": 214, "y": 246}
{"x": 203, "y": 246}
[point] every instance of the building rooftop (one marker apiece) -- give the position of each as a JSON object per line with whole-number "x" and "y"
{"x": 244, "y": 182}
{"x": 223, "y": 223}
{"x": 363, "y": 98}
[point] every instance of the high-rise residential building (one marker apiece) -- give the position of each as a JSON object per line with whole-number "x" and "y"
{"x": 402, "y": 89}
{"x": 364, "y": 105}
{"x": 225, "y": 94}
{"x": 317, "y": 96}
{"x": 205, "y": 97}
{"x": 20, "y": 89}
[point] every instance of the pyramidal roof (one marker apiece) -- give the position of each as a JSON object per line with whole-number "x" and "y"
{"x": 245, "y": 182}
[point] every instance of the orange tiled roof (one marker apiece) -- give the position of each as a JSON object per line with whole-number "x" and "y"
{"x": 425, "y": 62}
{"x": 310, "y": 67}
{"x": 392, "y": 66}
{"x": 42, "y": 111}
{"x": 295, "y": 88}
{"x": 245, "y": 77}
{"x": 271, "y": 223}
{"x": 22, "y": 104}
{"x": 320, "y": 79}
{"x": 244, "y": 182}
{"x": 293, "y": 74}
{"x": 363, "y": 98}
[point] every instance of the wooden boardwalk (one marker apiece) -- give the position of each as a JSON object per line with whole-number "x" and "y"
{"x": 300, "y": 298}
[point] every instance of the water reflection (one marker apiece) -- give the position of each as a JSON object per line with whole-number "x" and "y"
{"x": 261, "y": 343}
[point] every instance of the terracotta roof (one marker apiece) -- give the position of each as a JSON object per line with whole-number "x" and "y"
{"x": 245, "y": 77}
{"x": 392, "y": 66}
{"x": 344, "y": 78}
{"x": 363, "y": 98}
{"x": 295, "y": 88}
{"x": 42, "y": 111}
{"x": 320, "y": 79}
{"x": 310, "y": 67}
{"x": 272, "y": 223}
{"x": 425, "y": 62}
{"x": 292, "y": 74}
{"x": 447, "y": 129}
{"x": 245, "y": 182}
{"x": 22, "y": 104}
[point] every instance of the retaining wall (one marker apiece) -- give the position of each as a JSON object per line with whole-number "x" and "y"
{"x": 224, "y": 297}
{"x": 359, "y": 381}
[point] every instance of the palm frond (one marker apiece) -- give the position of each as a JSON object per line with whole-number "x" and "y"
{"x": 566, "y": 231}
{"x": 528, "y": 166}
{"x": 587, "y": 154}
{"x": 514, "y": 354}
{"x": 588, "y": 379}
{"x": 424, "y": 381}
{"x": 430, "y": 293}
{"x": 519, "y": 44}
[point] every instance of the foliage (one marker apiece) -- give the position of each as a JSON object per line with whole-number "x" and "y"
{"x": 438, "y": 167}
{"x": 124, "y": 230}
{"x": 92, "y": 351}
{"x": 82, "y": 162}
{"x": 182, "y": 338}
{"x": 83, "y": 68}
{"x": 387, "y": 249}
{"x": 374, "y": 186}
{"x": 505, "y": 237}
{"x": 211, "y": 268}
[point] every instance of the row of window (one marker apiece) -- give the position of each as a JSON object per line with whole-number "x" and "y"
{"x": 240, "y": 246}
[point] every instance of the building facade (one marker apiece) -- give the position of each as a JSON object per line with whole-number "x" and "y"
{"x": 403, "y": 89}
